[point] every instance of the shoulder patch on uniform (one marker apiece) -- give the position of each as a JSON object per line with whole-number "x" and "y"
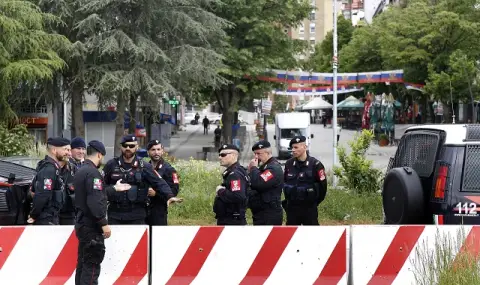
{"x": 175, "y": 178}
{"x": 47, "y": 184}
{"x": 235, "y": 185}
{"x": 266, "y": 175}
{"x": 321, "y": 174}
{"x": 97, "y": 184}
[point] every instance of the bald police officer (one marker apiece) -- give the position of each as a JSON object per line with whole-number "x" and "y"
{"x": 305, "y": 185}
{"x": 91, "y": 225}
{"x": 266, "y": 179}
{"x": 231, "y": 199}
{"x": 48, "y": 184}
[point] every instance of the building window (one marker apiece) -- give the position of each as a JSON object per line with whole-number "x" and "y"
{"x": 301, "y": 38}
{"x": 312, "y": 28}
{"x": 312, "y": 16}
{"x": 312, "y": 42}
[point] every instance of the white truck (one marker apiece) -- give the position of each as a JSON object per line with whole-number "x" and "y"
{"x": 287, "y": 126}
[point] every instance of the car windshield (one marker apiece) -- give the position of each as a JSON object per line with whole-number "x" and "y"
{"x": 290, "y": 133}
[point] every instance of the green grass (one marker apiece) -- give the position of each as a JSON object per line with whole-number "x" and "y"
{"x": 441, "y": 266}
{"x": 198, "y": 180}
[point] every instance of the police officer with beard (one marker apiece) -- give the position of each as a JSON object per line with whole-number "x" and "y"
{"x": 264, "y": 199}
{"x": 48, "y": 185}
{"x": 305, "y": 185}
{"x": 91, "y": 227}
{"x": 158, "y": 210}
{"x": 231, "y": 199}
{"x": 130, "y": 207}
{"x": 69, "y": 168}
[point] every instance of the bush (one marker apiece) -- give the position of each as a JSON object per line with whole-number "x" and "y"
{"x": 16, "y": 141}
{"x": 357, "y": 173}
{"x": 440, "y": 266}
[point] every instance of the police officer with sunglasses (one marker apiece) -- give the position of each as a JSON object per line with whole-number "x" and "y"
{"x": 231, "y": 199}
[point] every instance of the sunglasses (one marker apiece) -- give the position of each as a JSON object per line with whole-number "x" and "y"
{"x": 224, "y": 154}
{"x": 129, "y": 145}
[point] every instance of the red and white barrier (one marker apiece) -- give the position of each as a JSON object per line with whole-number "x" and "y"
{"x": 249, "y": 255}
{"x": 48, "y": 255}
{"x": 393, "y": 255}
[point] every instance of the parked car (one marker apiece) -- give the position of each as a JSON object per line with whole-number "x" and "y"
{"x": 434, "y": 176}
{"x": 15, "y": 181}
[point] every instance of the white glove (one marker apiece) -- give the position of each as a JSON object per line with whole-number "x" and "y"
{"x": 218, "y": 188}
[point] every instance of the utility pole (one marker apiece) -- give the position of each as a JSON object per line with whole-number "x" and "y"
{"x": 335, "y": 67}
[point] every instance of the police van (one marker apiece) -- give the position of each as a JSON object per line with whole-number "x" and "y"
{"x": 287, "y": 126}
{"x": 434, "y": 176}
{"x": 15, "y": 181}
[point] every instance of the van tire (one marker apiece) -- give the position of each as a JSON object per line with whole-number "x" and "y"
{"x": 402, "y": 197}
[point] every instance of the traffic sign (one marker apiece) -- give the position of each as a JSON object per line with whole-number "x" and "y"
{"x": 173, "y": 102}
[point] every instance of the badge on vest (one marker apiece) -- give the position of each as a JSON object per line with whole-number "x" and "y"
{"x": 47, "y": 184}
{"x": 235, "y": 185}
{"x": 97, "y": 184}
{"x": 301, "y": 174}
{"x": 267, "y": 175}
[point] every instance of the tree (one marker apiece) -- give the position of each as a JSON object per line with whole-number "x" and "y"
{"x": 28, "y": 53}
{"x": 141, "y": 50}
{"x": 256, "y": 42}
{"x": 321, "y": 60}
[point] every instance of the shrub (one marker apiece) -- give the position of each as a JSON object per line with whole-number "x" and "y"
{"x": 16, "y": 141}
{"x": 440, "y": 266}
{"x": 357, "y": 173}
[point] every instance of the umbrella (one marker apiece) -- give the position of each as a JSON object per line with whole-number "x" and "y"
{"x": 350, "y": 103}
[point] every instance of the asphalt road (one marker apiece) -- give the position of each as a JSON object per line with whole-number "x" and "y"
{"x": 322, "y": 146}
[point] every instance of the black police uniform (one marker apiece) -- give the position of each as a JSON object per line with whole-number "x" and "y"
{"x": 130, "y": 207}
{"x": 230, "y": 203}
{"x": 67, "y": 213}
{"x": 158, "y": 209}
{"x": 304, "y": 189}
{"x": 48, "y": 186}
{"x": 264, "y": 198}
{"x": 91, "y": 206}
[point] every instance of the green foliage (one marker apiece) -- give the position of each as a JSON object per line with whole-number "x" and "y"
{"x": 15, "y": 141}
{"x": 357, "y": 173}
{"x": 28, "y": 53}
{"x": 279, "y": 105}
{"x": 447, "y": 264}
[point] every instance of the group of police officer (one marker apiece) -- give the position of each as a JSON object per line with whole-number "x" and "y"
{"x": 69, "y": 189}
{"x": 259, "y": 186}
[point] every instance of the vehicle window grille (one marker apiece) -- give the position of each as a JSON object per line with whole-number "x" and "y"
{"x": 391, "y": 160}
{"x": 418, "y": 150}
{"x": 473, "y": 133}
{"x": 447, "y": 182}
{"x": 3, "y": 201}
{"x": 471, "y": 170}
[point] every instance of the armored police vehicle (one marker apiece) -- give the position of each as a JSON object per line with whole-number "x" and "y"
{"x": 434, "y": 177}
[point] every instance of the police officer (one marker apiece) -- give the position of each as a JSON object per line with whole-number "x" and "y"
{"x": 48, "y": 184}
{"x": 158, "y": 210}
{"x": 266, "y": 181}
{"x": 70, "y": 167}
{"x": 230, "y": 202}
{"x": 91, "y": 225}
{"x": 130, "y": 207}
{"x": 305, "y": 185}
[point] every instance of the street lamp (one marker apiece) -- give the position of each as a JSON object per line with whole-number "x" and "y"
{"x": 335, "y": 67}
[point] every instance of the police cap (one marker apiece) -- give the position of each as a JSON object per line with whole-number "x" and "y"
{"x": 58, "y": 141}
{"x": 261, "y": 145}
{"x": 98, "y": 146}
{"x": 78, "y": 142}
{"x": 228, "y": 146}
{"x": 128, "y": 138}
{"x": 152, "y": 143}
{"x": 297, "y": 139}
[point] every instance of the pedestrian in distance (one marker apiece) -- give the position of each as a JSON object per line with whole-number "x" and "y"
{"x": 48, "y": 185}
{"x": 305, "y": 185}
{"x": 91, "y": 227}
{"x": 266, "y": 182}
{"x": 230, "y": 201}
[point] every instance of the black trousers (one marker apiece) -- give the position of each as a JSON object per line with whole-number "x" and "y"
{"x": 112, "y": 221}
{"x": 302, "y": 215}
{"x": 91, "y": 252}
{"x": 227, "y": 221}
{"x": 268, "y": 217}
{"x": 67, "y": 220}
{"x": 158, "y": 215}
{"x": 49, "y": 221}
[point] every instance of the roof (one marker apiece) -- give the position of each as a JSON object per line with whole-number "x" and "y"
{"x": 317, "y": 104}
{"x": 455, "y": 134}
{"x": 21, "y": 172}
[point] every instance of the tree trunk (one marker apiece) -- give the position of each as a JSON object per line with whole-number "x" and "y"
{"x": 120, "y": 122}
{"x": 77, "y": 109}
{"x": 227, "y": 116}
{"x": 133, "y": 113}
